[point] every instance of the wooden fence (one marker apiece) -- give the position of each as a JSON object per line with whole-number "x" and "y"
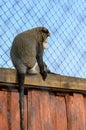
{"x": 59, "y": 103}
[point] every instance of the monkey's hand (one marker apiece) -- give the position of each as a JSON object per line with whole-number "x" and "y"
{"x": 44, "y": 74}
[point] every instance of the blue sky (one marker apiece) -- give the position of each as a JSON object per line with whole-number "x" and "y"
{"x": 66, "y": 20}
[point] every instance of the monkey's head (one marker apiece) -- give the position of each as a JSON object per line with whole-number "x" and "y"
{"x": 44, "y": 34}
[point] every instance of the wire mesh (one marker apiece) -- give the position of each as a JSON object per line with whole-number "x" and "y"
{"x": 66, "y": 20}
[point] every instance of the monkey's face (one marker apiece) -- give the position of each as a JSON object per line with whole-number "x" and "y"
{"x": 45, "y": 35}
{"x": 45, "y": 32}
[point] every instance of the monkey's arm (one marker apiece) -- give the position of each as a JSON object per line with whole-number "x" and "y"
{"x": 39, "y": 58}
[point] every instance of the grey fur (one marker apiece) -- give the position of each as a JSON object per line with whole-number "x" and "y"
{"x": 23, "y": 51}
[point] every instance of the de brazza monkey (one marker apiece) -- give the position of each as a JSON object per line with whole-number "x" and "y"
{"x": 27, "y": 57}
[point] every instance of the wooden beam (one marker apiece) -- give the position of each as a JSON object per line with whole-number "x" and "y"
{"x": 53, "y": 81}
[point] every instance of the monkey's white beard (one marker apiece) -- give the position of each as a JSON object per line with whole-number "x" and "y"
{"x": 34, "y": 70}
{"x": 44, "y": 43}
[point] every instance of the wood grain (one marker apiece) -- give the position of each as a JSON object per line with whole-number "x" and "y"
{"x": 53, "y": 82}
{"x": 75, "y": 112}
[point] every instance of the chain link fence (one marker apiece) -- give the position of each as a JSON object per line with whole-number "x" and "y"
{"x": 65, "y": 19}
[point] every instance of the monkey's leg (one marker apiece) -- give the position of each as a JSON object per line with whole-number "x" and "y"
{"x": 21, "y": 78}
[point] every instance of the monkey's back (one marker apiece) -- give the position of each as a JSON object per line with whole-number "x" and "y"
{"x": 23, "y": 51}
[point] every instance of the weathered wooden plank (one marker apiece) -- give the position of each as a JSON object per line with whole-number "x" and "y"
{"x": 4, "y": 122}
{"x": 73, "y": 83}
{"x": 85, "y": 110}
{"x": 58, "y": 113}
{"x": 33, "y": 110}
{"x": 53, "y": 81}
{"x": 1, "y": 110}
{"x": 25, "y": 112}
{"x": 45, "y": 106}
{"x": 39, "y": 110}
{"x": 75, "y": 112}
{"x": 15, "y": 110}
{"x": 9, "y": 114}
{"x": 9, "y": 76}
{"x": 9, "y": 111}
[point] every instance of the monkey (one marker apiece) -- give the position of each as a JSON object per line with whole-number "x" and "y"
{"x": 27, "y": 57}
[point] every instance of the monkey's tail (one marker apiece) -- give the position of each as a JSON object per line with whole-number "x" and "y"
{"x": 21, "y": 102}
{"x": 21, "y": 78}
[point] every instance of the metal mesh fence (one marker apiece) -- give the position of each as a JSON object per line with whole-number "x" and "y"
{"x": 65, "y": 19}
